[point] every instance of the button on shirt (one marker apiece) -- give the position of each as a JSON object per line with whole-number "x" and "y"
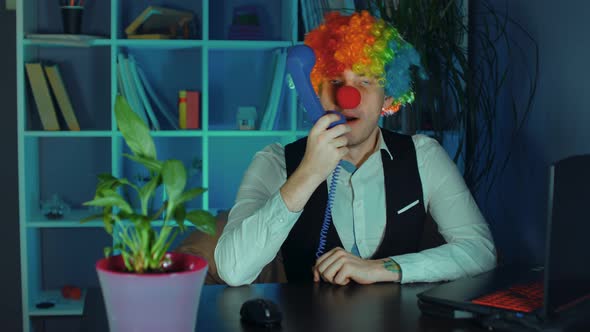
{"x": 259, "y": 222}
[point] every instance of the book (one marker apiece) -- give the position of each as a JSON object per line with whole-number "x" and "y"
{"x": 193, "y": 110}
{"x": 156, "y": 19}
{"x": 42, "y": 96}
{"x": 130, "y": 92}
{"x": 61, "y": 96}
{"x": 141, "y": 92}
{"x": 154, "y": 97}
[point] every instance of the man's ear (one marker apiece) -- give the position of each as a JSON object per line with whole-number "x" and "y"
{"x": 387, "y": 102}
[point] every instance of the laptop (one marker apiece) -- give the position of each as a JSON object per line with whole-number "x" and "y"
{"x": 555, "y": 296}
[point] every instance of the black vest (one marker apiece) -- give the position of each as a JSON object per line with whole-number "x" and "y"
{"x": 403, "y": 232}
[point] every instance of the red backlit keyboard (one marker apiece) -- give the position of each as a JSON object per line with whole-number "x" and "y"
{"x": 523, "y": 298}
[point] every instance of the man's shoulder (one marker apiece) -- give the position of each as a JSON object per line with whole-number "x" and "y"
{"x": 274, "y": 149}
{"x": 429, "y": 150}
{"x": 422, "y": 141}
{"x": 297, "y": 145}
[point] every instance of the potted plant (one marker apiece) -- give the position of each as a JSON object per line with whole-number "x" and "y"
{"x": 145, "y": 287}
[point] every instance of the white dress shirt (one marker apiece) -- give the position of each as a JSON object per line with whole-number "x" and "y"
{"x": 259, "y": 222}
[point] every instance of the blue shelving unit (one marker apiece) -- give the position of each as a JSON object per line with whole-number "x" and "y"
{"x": 228, "y": 73}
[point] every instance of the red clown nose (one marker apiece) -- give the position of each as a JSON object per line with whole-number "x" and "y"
{"x": 348, "y": 97}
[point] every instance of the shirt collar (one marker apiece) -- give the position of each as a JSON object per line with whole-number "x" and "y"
{"x": 383, "y": 146}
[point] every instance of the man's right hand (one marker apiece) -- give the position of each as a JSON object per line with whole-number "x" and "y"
{"x": 325, "y": 148}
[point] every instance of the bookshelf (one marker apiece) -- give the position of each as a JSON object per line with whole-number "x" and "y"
{"x": 228, "y": 73}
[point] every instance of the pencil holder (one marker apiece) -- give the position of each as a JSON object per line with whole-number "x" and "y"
{"x": 72, "y": 19}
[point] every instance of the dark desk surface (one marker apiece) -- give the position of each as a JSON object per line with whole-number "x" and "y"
{"x": 307, "y": 308}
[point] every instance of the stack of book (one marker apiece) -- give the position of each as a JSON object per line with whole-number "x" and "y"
{"x": 44, "y": 79}
{"x": 139, "y": 93}
{"x": 157, "y": 22}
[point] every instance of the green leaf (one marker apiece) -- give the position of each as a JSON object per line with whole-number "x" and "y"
{"x": 147, "y": 191}
{"x": 180, "y": 216}
{"x": 108, "y": 223}
{"x": 107, "y": 181}
{"x": 174, "y": 177}
{"x": 110, "y": 198}
{"x": 91, "y": 218}
{"x": 111, "y": 183}
{"x": 189, "y": 195}
{"x": 108, "y": 251}
{"x": 135, "y": 132}
{"x": 151, "y": 164}
{"x": 203, "y": 221}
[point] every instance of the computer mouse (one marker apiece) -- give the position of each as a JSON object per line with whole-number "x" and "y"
{"x": 262, "y": 312}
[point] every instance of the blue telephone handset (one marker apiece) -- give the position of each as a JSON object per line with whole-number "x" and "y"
{"x": 300, "y": 61}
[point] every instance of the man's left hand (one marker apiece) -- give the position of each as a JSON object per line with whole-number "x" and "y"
{"x": 339, "y": 267}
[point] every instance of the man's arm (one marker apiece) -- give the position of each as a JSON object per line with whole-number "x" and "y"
{"x": 258, "y": 223}
{"x": 470, "y": 247}
{"x": 268, "y": 205}
{"x": 325, "y": 148}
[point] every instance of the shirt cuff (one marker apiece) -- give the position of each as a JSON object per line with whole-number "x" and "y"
{"x": 411, "y": 267}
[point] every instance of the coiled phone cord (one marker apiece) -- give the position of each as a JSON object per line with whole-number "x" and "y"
{"x": 328, "y": 213}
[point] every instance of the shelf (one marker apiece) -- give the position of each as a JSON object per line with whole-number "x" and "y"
{"x": 246, "y": 44}
{"x": 101, "y": 42}
{"x": 212, "y": 132}
{"x": 64, "y": 133}
{"x": 177, "y": 133}
{"x": 228, "y": 73}
{"x": 64, "y": 224}
{"x": 160, "y": 43}
{"x": 71, "y": 220}
{"x": 63, "y": 307}
{"x": 165, "y": 43}
{"x": 249, "y": 133}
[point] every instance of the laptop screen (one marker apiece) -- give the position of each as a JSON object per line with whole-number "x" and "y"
{"x": 567, "y": 259}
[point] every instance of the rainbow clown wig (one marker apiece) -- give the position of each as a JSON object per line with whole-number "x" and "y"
{"x": 366, "y": 45}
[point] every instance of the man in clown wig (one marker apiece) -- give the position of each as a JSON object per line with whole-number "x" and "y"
{"x": 387, "y": 184}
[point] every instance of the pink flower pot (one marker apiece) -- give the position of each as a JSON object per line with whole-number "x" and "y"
{"x": 166, "y": 301}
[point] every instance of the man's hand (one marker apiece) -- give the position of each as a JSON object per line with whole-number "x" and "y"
{"x": 339, "y": 267}
{"x": 325, "y": 148}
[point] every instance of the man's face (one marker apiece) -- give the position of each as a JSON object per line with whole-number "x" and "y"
{"x": 363, "y": 119}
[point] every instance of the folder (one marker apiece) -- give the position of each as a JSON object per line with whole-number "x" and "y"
{"x": 154, "y": 97}
{"x": 42, "y": 96}
{"x": 61, "y": 95}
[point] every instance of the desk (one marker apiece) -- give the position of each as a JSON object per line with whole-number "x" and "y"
{"x": 307, "y": 308}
